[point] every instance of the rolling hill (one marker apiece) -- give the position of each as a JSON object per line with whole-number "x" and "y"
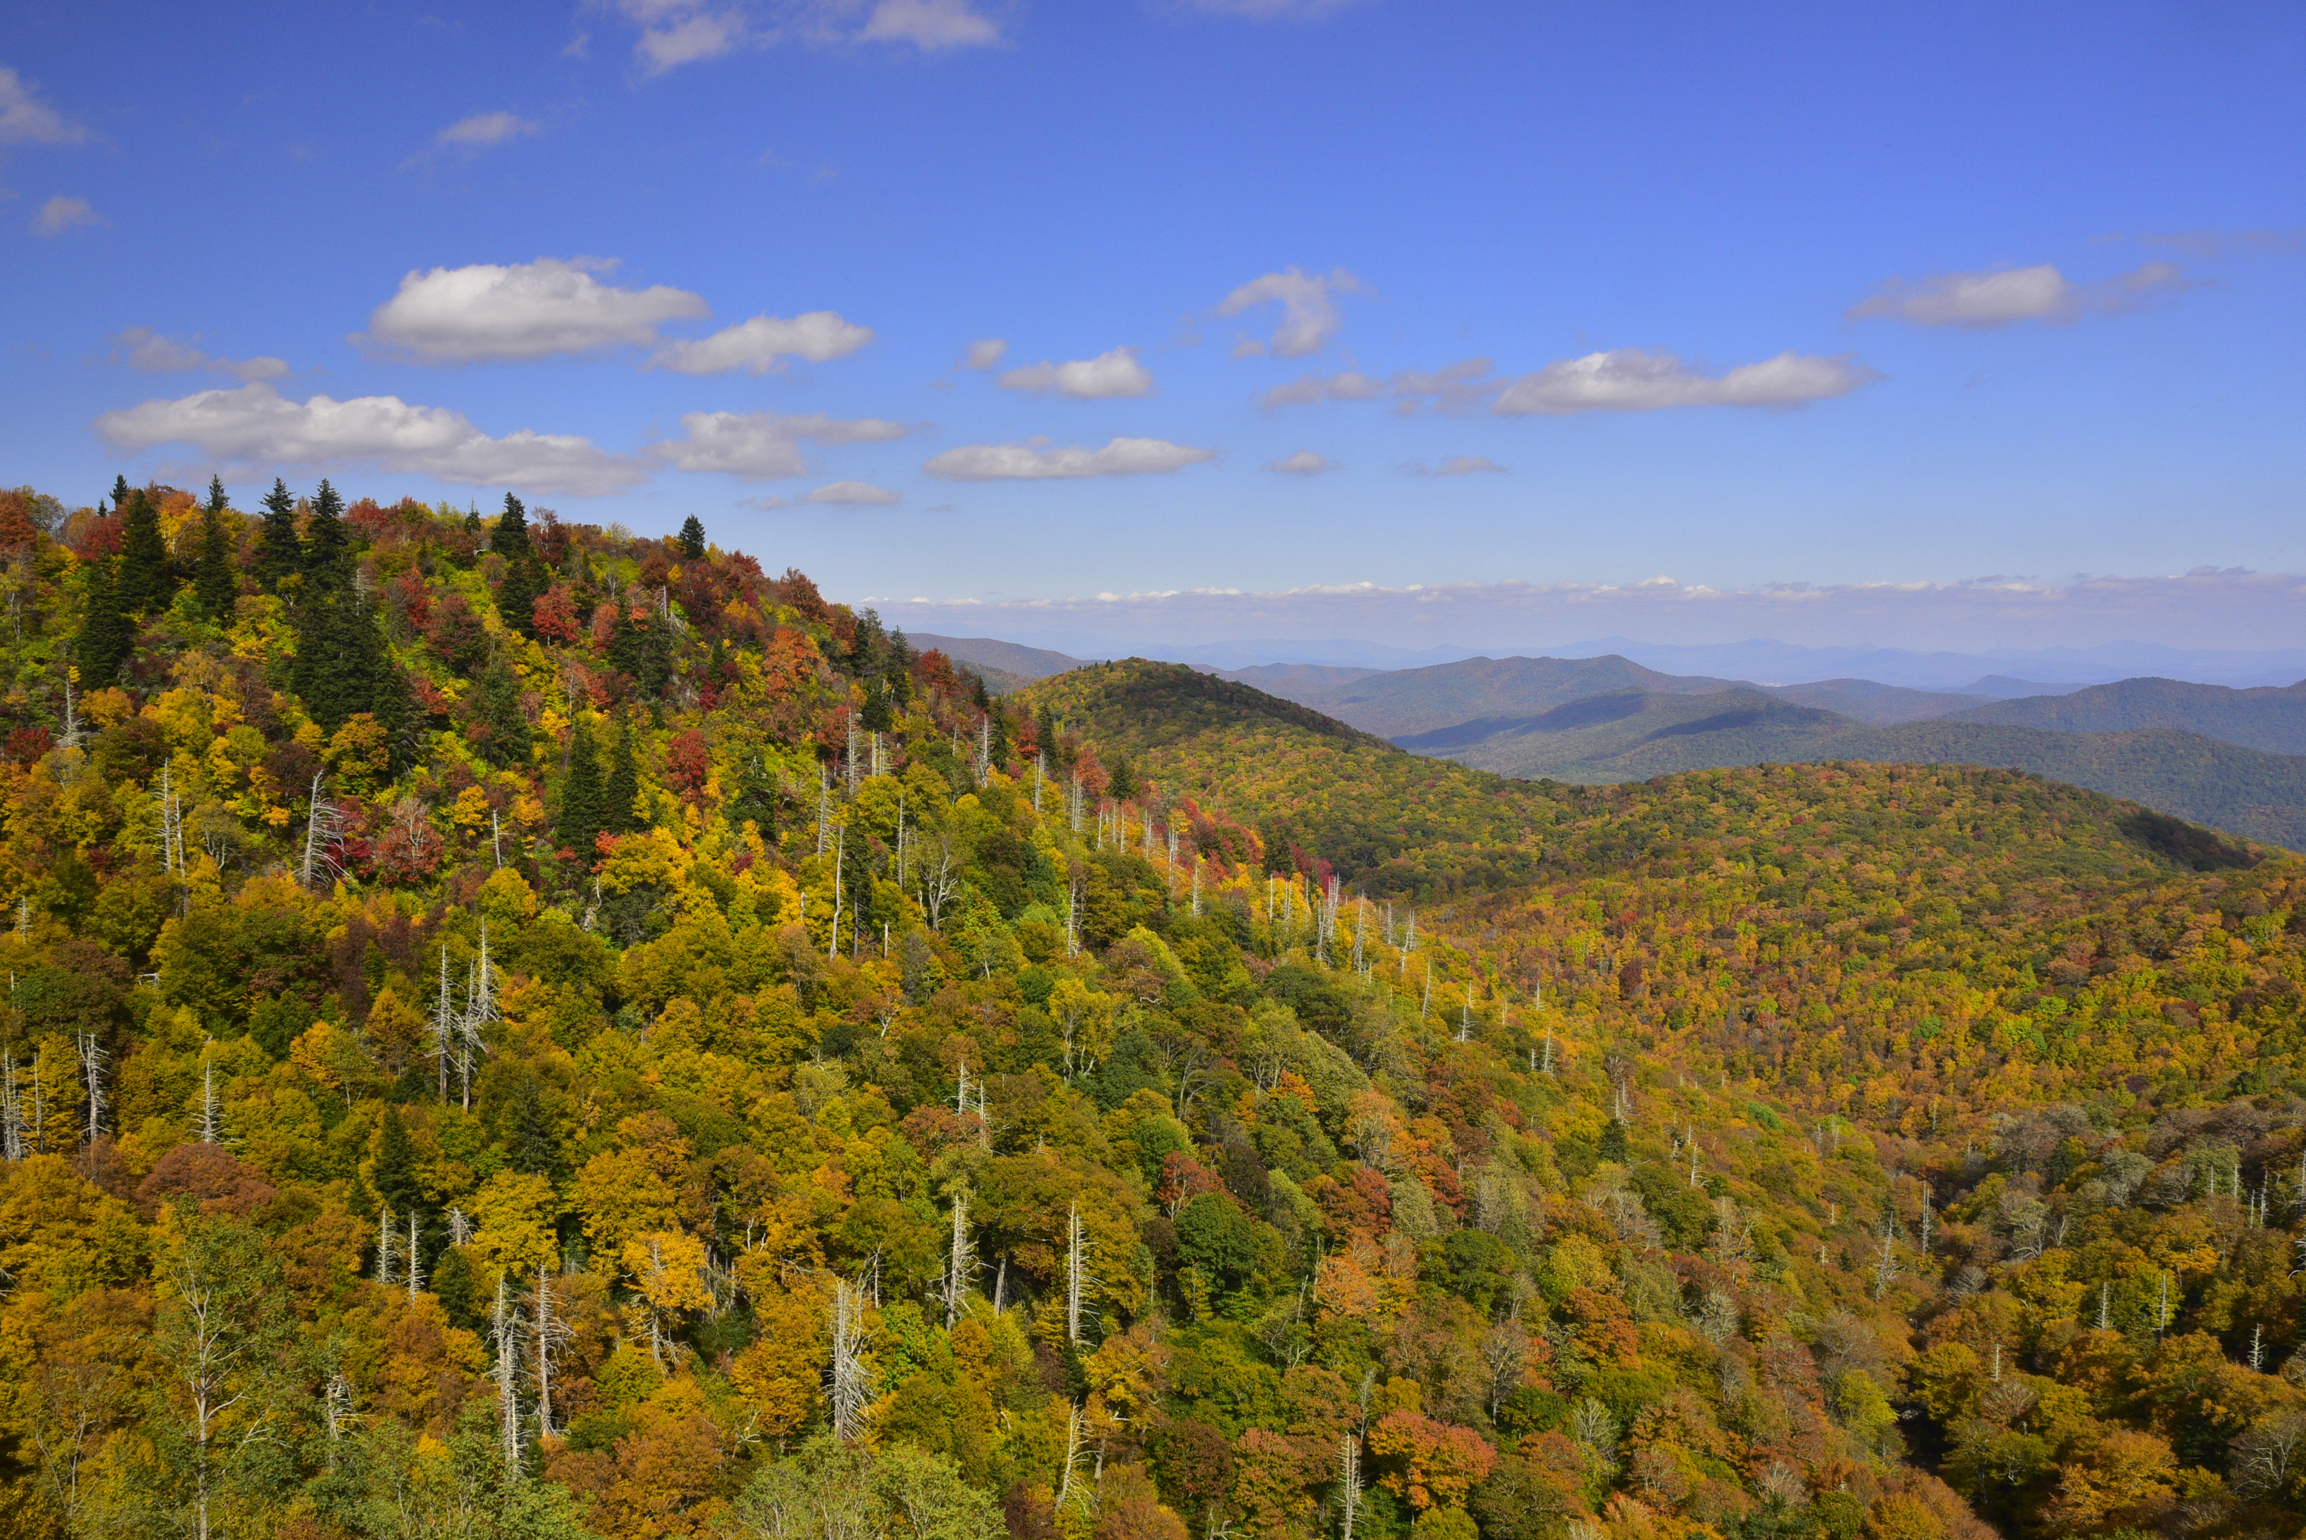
{"x": 2273, "y": 720}
{"x": 1636, "y": 735}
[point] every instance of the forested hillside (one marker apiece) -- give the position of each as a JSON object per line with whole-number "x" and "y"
{"x": 2270, "y": 719}
{"x": 517, "y": 1029}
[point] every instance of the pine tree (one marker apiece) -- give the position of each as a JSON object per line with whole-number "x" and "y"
{"x": 583, "y": 799}
{"x": 525, "y": 581}
{"x": 279, "y": 552}
{"x": 212, "y": 577}
{"x": 144, "y": 582}
{"x": 119, "y": 493}
{"x": 106, "y": 634}
{"x": 693, "y": 538}
{"x": 327, "y": 543}
{"x": 624, "y": 785}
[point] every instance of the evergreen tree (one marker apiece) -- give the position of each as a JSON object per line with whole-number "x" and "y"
{"x": 344, "y": 666}
{"x": 327, "y": 543}
{"x": 144, "y": 582}
{"x": 583, "y": 799}
{"x": 106, "y": 634}
{"x": 396, "y": 1181}
{"x": 212, "y": 577}
{"x": 279, "y": 553}
{"x": 624, "y": 785}
{"x": 504, "y": 736}
{"x": 693, "y": 538}
{"x": 510, "y": 537}
{"x": 119, "y": 494}
{"x": 525, "y": 581}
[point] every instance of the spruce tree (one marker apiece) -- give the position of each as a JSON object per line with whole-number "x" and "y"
{"x": 396, "y": 1180}
{"x": 693, "y": 538}
{"x": 582, "y": 797}
{"x": 212, "y": 578}
{"x": 144, "y": 582}
{"x": 624, "y": 785}
{"x": 327, "y": 543}
{"x": 510, "y": 537}
{"x": 279, "y": 552}
{"x": 525, "y": 581}
{"x": 106, "y": 635}
{"x": 119, "y": 493}
{"x": 504, "y": 739}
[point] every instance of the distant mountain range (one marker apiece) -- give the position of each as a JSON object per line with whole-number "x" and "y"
{"x": 2232, "y": 758}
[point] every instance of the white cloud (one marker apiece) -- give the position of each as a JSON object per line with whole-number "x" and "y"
{"x": 255, "y": 425}
{"x": 60, "y": 214}
{"x": 1084, "y": 379}
{"x": 758, "y": 345}
{"x": 522, "y": 311}
{"x": 2007, "y": 295}
{"x": 984, "y": 353}
{"x": 1034, "y": 462}
{"x": 25, "y": 119}
{"x": 765, "y": 446}
{"x": 929, "y": 25}
{"x": 855, "y": 494}
{"x": 1459, "y": 465}
{"x": 677, "y": 32}
{"x": 483, "y": 129}
{"x": 147, "y": 352}
{"x": 1451, "y": 387}
{"x": 1632, "y": 380}
{"x": 1303, "y": 463}
{"x": 1308, "y": 304}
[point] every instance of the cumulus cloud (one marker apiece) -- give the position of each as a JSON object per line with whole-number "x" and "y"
{"x": 1308, "y": 304}
{"x": 60, "y": 214}
{"x": 483, "y": 129}
{"x": 984, "y": 353}
{"x": 522, "y": 311}
{"x": 761, "y": 344}
{"x": 1303, "y": 463}
{"x": 1084, "y": 379}
{"x": 2005, "y": 296}
{"x": 1036, "y": 462}
{"x": 26, "y": 119}
{"x": 855, "y": 494}
{"x": 1452, "y": 387}
{"x": 147, "y": 352}
{"x": 765, "y": 446}
{"x": 677, "y": 32}
{"x": 1457, "y": 465}
{"x": 256, "y": 426}
{"x": 929, "y": 25}
{"x": 1632, "y": 380}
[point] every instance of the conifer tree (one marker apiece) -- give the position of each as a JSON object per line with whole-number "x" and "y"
{"x": 327, "y": 543}
{"x": 583, "y": 799}
{"x": 106, "y": 634}
{"x": 496, "y": 708}
{"x": 119, "y": 493}
{"x": 279, "y": 551}
{"x": 144, "y": 582}
{"x": 212, "y": 578}
{"x": 525, "y": 578}
{"x": 693, "y": 538}
{"x": 624, "y": 785}
{"x": 396, "y": 1181}
{"x": 510, "y": 537}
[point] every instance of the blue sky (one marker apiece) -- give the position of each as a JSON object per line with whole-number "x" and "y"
{"x": 1510, "y": 294}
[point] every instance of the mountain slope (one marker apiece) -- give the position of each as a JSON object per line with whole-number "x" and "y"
{"x": 1421, "y": 700}
{"x": 2273, "y": 720}
{"x": 1634, "y": 736}
{"x": 1011, "y": 658}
